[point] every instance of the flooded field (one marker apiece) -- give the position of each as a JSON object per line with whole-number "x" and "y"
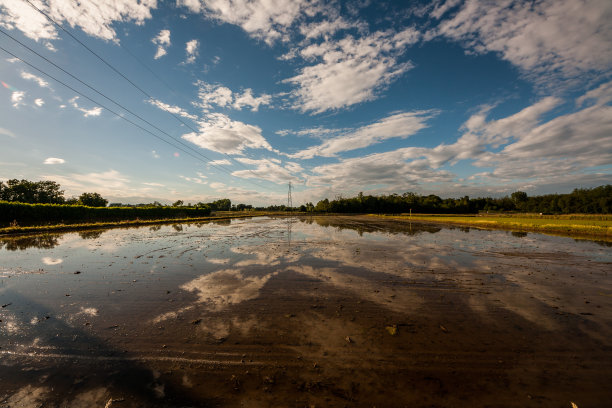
{"x": 302, "y": 312}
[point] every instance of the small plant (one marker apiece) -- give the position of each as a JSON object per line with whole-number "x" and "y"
{"x": 14, "y": 223}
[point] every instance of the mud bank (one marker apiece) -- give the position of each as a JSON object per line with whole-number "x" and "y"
{"x": 301, "y": 312}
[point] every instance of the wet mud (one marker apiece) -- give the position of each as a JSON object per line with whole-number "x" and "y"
{"x": 302, "y": 312}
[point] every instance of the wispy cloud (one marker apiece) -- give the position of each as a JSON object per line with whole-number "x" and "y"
{"x": 31, "y": 77}
{"x": 521, "y": 148}
{"x": 176, "y": 110}
{"x": 191, "y": 49}
{"x": 262, "y": 19}
{"x": 350, "y": 71}
{"x": 94, "y": 18}
{"x": 221, "y": 162}
{"x": 399, "y": 125}
{"x": 107, "y": 183}
{"x": 549, "y": 40}
{"x": 270, "y": 170}
{"x": 7, "y": 132}
{"x": 95, "y": 111}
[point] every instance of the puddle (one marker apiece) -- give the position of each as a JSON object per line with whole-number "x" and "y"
{"x": 297, "y": 311}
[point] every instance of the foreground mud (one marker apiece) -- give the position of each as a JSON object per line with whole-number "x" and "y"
{"x": 301, "y": 312}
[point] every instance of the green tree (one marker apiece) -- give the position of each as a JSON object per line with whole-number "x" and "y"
{"x": 519, "y": 198}
{"x": 92, "y": 200}
{"x": 177, "y": 203}
{"x": 33, "y": 192}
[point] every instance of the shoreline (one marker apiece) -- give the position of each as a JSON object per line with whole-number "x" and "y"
{"x": 568, "y": 227}
{"x": 518, "y": 224}
{"x": 35, "y": 229}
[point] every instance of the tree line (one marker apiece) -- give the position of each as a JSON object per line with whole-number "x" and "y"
{"x": 597, "y": 200}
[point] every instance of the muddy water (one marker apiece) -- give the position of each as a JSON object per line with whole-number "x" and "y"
{"x": 301, "y": 312}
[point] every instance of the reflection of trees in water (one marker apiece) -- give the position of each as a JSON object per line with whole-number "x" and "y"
{"x": 154, "y": 228}
{"x": 177, "y": 227}
{"x": 91, "y": 234}
{"x": 44, "y": 241}
{"x": 222, "y": 222}
{"x": 519, "y": 234}
{"x": 361, "y": 226}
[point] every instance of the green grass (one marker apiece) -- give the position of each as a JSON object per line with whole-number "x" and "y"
{"x": 571, "y": 224}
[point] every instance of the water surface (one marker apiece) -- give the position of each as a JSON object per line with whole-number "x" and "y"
{"x": 323, "y": 311}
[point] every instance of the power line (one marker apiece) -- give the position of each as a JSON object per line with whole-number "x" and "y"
{"x": 110, "y": 99}
{"x": 108, "y": 109}
{"x": 123, "y": 76}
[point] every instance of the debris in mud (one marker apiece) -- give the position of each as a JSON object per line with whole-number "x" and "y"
{"x": 392, "y": 330}
{"x": 196, "y": 321}
{"x": 77, "y": 272}
{"x": 348, "y": 339}
{"x": 8, "y": 304}
{"x": 444, "y": 329}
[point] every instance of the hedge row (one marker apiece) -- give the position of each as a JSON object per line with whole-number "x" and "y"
{"x": 41, "y": 214}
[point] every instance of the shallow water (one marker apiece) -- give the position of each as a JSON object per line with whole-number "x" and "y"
{"x": 324, "y": 311}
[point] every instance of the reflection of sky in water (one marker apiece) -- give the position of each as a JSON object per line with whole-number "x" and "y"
{"x": 216, "y": 266}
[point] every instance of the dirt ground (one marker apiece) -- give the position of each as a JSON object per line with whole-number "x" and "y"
{"x": 305, "y": 312}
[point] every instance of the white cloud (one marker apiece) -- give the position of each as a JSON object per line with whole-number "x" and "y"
{"x": 39, "y": 102}
{"x": 17, "y": 98}
{"x": 548, "y": 40}
{"x": 54, "y": 160}
{"x": 222, "y": 96}
{"x": 176, "y": 110}
{"x": 219, "y": 133}
{"x": 155, "y": 154}
{"x": 95, "y": 111}
{"x": 271, "y": 170}
{"x": 566, "y": 144}
{"x": 191, "y": 48}
{"x": 262, "y": 19}
{"x": 247, "y": 99}
{"x": 350, "y": 70}
{"x": 31, "y": 77}
{"x": 162, "y": 40}
{"x": 94, "y": 18}
{"x": 400, "y": 125}
{"x": 521, "y": 149}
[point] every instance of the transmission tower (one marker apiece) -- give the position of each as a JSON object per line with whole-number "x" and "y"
{"x": 289, "y": 199}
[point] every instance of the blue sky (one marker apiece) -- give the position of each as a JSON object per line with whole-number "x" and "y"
{"x": 446, "y": 97}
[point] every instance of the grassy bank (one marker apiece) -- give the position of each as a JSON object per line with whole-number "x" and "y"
{"x": 24, "y": 214}
{"x": 118, "y": 224}
{"x": 596, "y": 226}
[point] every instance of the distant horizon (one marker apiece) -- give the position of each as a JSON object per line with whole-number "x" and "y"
{"x": 238, "y": 99}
